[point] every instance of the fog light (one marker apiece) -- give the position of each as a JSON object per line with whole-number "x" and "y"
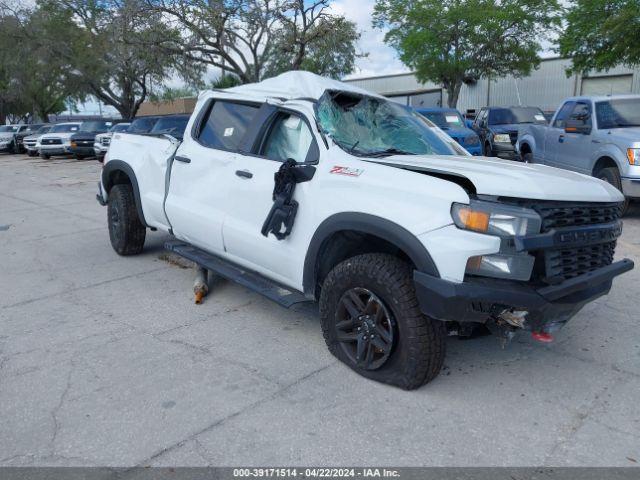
{"x": 514, "y": 267}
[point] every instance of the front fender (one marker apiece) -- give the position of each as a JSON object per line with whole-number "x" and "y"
{"x": 369, "y": 224}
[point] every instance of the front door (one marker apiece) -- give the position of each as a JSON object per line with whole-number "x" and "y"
{"x": 574, "y": 153}
{"x": 287, "y": 137}
{"x": 555, "y": 135}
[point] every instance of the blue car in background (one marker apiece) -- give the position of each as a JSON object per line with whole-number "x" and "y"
{"x": 450, "y": 120}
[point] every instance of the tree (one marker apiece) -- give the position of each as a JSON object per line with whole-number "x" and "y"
{"x": 99, "y": 40}
{"x": 450, "y": 42}
{"x": 254, "y": 38}
{"x": 328, "y": 48}
{"x": 32, "y": 84}
{"x": 601, "y": 34}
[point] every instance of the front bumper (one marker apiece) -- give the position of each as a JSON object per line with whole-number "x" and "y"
{"x": 631, "y": 187}
{"x": 83, "y": 150}
{"x": 55, "y": 149}
{"x": 505, "y": 151}
{"x": 478, "y": 299}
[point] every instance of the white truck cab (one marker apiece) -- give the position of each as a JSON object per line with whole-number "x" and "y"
{"x": 309, "y": 189}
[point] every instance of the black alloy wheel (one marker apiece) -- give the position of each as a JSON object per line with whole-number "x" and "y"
{"x": 365, "y": 328}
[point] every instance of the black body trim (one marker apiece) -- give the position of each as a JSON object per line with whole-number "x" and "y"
{"x": 571, "y": 237}
{"x": 275, "y": 291}
{"x": 364, "y": 223}
{"x": 478, "y": 299}
{"x": 118, "y": 165}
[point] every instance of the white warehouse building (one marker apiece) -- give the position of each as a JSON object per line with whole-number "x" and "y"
{"x": 546, "y": 87}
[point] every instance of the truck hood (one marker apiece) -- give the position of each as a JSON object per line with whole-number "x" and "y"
{"x": 630, "y": 136}
{"x": 6, "y": 135}
{"x": 510, "y": 179}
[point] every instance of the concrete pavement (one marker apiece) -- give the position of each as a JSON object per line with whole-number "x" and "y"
{"x": 105, "y": 360}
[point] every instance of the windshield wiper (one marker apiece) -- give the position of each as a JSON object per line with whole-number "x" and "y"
{"x": 389, "y": 151}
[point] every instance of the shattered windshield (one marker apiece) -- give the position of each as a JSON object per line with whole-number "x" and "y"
{"x": 370, "y": 126}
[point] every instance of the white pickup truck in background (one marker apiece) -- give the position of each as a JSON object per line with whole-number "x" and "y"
{"x": 308, "y": 189}
{"x": 597, "y": 136}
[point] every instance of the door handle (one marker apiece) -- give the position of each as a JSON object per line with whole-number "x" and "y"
{"x": 561, "y": 138}
{"x": 182, "y": 159}
{"x": 244, "y": 174}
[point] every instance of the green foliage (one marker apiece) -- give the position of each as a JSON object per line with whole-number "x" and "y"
{"x": 330, "y": 49}
{"x": 601, "y": 34}
{"x": 225, "y": 81}
{"x": 452, "y": 41}
{"x": 31, "y": 82}
{"x": 108, "y": 47}
{"x": 253, "y": 39}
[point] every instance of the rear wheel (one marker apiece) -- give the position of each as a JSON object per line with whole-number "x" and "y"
{"x": 371, "y": 321}
{"x": 611, "y": 175}
{"x": 126, "y": 231}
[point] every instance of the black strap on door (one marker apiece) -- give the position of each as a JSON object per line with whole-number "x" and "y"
{"x": 283, "y": 212}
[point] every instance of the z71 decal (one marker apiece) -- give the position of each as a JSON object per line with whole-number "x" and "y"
{"x": 348, "y": 171}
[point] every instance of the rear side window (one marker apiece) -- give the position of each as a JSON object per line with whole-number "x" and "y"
{"x": 226, "y": 124}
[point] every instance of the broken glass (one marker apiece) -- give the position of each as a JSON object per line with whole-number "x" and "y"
{"x": 371, "y": 126}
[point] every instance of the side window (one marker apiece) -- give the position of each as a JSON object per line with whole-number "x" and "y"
{"x": 288, "y": 137}
{"x": 226, "y": 124}
{"x": 581, "y": 113}
{"x": 562, "y": 115}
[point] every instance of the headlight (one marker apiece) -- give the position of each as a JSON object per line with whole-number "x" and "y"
{"x": 506, "y": 222}
{"x": 502, "y": 138}
{"x": 472, "y": 140}
{"x": 633, "y": 154}
{"x": 495, "y": 219}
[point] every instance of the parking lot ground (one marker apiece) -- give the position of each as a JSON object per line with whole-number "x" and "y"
{"x": 106, "y": 361}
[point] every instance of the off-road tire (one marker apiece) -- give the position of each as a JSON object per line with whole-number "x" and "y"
{"x": 419, "y": 343}
{"x": 45, "y": 156}
{"x": 611, "y": 175}
{"x": 126, "y": 231}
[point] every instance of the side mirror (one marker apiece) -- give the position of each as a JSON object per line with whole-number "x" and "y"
{"x": 577, "y": 126}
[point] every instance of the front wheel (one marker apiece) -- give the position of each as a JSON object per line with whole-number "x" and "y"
{"x": 611, "y": 175}
{"x": 527, "y": 157}
{"x": 45, "y": 156}
{"x": 371, "y": 322}
{"x": 126, "y": 231}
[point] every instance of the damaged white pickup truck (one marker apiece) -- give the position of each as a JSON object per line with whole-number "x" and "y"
{"x": 308, "y": 189}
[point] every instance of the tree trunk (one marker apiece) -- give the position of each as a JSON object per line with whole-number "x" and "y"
{"x": 453, "y": 92}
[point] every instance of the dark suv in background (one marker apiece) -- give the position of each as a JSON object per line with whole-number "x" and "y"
{"x": 82, "y": 142}
{"x": 498, "y": 128}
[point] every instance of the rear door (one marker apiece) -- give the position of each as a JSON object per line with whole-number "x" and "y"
{"x": 285, "y": 134}
{"x": 199, "y": 192}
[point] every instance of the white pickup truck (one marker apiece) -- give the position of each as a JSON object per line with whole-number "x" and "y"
{"x": 597, "y": 136}
{"x": 309, "y": 189}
